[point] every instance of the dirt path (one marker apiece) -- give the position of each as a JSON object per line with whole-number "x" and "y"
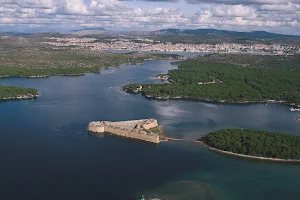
{"x": 185, "y": 140}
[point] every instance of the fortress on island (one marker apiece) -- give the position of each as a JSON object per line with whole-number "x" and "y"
{"x": 145, "y": 129}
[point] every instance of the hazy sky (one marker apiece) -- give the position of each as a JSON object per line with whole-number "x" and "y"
{"x": 281, "y": 16}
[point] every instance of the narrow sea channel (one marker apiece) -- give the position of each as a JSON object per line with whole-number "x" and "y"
{"x": 46, "y": 152}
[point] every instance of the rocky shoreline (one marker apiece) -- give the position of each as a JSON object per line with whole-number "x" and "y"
{"x": 253, "y": 157}
{"x": 202, "y": 140}
{"x": 43, "y": 76}
{"x": 139, "y": 90}
{"x": 162, "y": 77}
{"x": 20, "y": 97}
{"x": 237, "y": 154}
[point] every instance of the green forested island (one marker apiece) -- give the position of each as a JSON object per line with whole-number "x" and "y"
{"x": 255, "y": 143}
{"x": 233, "y": 78}
{"x": 12, "y": 92}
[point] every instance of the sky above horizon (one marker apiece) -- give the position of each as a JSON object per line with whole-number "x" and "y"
{"x": 280, "y": 16}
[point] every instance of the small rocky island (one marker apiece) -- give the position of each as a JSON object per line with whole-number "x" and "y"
{"x": 144, "y": 129}
{"x": 163, "y": 77}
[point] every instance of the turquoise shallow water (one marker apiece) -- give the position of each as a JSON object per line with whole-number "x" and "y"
{"x": 46, "y": 152}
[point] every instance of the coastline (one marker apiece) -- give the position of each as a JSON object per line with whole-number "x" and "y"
{"x": 21, "y": 97}
{"x": 236, "y": 154}
{"x": 84, "y": 73}
{"x": 205, "y": 100}
{"x": 32, "y": 96}
{"x": 252, "y": 157}
{"x": 42, "y": 76}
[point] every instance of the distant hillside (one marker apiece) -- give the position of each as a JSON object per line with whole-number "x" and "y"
{"x": 214, "y": 36}
{"x": 35, "y": 34}
{"x": 15, "y": 33}
{"x": 253, "y": 34}
{"x": 90, "y": 31}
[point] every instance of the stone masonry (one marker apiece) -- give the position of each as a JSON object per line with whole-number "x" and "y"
{"x": 137, "y": 129}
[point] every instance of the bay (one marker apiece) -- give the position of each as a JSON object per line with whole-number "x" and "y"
{"x": 46, "y": 152}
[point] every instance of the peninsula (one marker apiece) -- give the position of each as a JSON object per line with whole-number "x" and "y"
{"x": 144, "y": 129}
{"x": 257, "y": 144}
{"x": 231, "y": 78}
{"x": 28, "y": 57}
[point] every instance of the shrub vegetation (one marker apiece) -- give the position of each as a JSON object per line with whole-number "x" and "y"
{"x": 255, "y": 143}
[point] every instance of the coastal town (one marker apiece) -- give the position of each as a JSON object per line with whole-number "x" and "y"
{"x": 147, "y": 45}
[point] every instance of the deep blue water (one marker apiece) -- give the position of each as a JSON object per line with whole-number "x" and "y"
{"x": 46, "y": 152}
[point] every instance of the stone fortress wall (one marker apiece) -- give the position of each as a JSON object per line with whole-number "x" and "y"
{"x": 137, "y": 129}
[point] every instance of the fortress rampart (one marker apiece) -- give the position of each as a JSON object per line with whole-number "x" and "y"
{"x": 137, "y": 129}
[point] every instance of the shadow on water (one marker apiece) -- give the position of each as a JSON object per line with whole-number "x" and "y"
{"x": 117, "y": 137}
{"x": 98, "y": 135}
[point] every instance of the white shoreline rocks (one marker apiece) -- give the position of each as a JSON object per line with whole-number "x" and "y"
{"x": 19, "y": 97}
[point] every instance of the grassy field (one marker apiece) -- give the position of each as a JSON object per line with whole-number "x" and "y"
{"x": 156, "y": 130}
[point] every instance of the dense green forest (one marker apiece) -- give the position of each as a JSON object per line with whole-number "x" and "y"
{"x": 32, "y": 72}
{"x": 231, "y": 78}
{"x": 12, "y": 91}
{"x": 255, "y": 143}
